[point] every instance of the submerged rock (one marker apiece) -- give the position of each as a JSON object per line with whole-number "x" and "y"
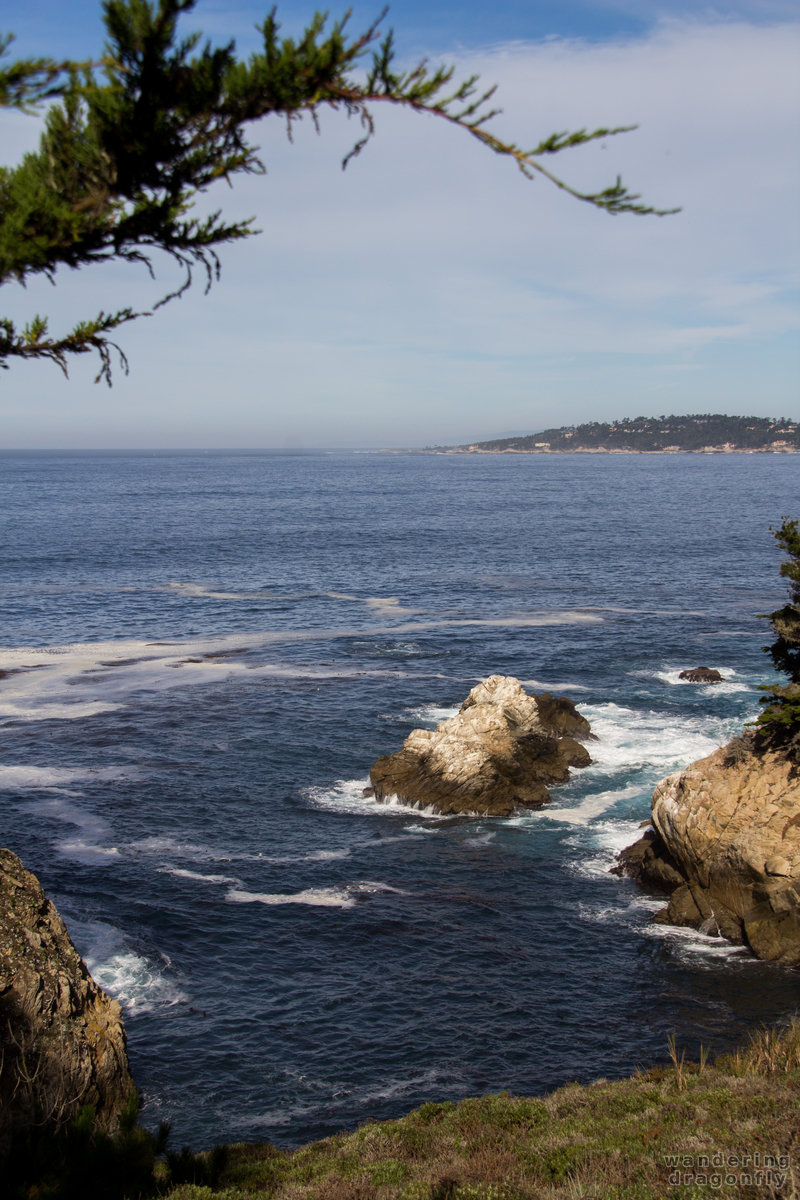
{"x": 497, "y": 754}
{"x": 62, "y": 1041}
{"x": 725, "y": 845}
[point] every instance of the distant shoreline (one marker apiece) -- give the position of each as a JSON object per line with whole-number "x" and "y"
{"x": 715, "y": 450}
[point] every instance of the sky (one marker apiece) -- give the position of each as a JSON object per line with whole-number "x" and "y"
{"x": 429, "y": 294}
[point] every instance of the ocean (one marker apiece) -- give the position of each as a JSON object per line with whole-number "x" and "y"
{"x": 203, "y": 653}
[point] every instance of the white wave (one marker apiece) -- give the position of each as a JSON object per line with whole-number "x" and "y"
{"x": 67, "y": 711}
{"x": 730, "y": 684}
{"x": 398, "y": 806}
{"x": 634, "y": 913}
{"x": 87, "y": 847}
{"x": 629, "y": 738}
{"x": 25, "y": 779}
{"x": 182, "y": 873}
{"x": 388, "y": 606}
{"x": 480, "y": 839}
{"x": 371, "y": 887}
{"x": 345, "y": 896}
{"x": 330, "y": 897}
{"x": 201, "y": 592}
{"x": 88, "y": 853}
{"x": 40, "y": 684}
{"x": 538, "y": 685}
{"x": 312, "y": 856}
{"x": 692, "y": 946}
{"x": 346, "y": 795}
{"x": 137, "y": 981}
{"x": 431, "y": 714}
{"x": 171, "y": 846}
{"x": 593, "y": 806}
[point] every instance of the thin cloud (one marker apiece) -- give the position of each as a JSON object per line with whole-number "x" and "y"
{"x": 429, "y": 292}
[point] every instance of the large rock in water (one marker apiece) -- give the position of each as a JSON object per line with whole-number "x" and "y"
{"x": 62, "y": 1040}
{"x": 496, "y": 755}
{"x": 726, "y": 844}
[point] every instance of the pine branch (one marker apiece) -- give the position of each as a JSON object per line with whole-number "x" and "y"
{"x": 87, "y": 336}
{"x": 136, "y": 138}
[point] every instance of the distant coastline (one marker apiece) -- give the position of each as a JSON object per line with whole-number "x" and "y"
{"x": 712, "y": 433}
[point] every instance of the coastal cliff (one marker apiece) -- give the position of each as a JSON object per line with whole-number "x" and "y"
{"x": 497, "y": 754}
{"x": 62, "y": 1040}
{"x": 725, "y": 844}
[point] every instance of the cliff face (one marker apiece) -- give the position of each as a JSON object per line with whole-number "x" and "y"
{"x": 726, "y": 844}
{"x": 62, "y": 1041}
{"x": 497, "y": 754}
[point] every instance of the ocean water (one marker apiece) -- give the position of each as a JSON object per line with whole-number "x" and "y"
{"x": 202, "y": 654}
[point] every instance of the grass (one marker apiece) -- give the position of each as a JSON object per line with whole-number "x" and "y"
{"x": 686, "y": 1130}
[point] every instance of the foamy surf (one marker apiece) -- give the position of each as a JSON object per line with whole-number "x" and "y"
{"x": 698, "y": 948}
{"x": 326, "y": 897}
{"x": 730, "y": 685}
{"x": 40, "y": 779}
{"x": 139, "y": 982}
{"x": 630, "y": 738}
{"x": 347, "y": 795}
{"x": 431, "y": 714}
{"x": 587, "y": 810}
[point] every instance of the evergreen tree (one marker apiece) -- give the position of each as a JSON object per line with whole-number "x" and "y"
{"x": 778, "y": 726}
{"x": 132, "y": 140}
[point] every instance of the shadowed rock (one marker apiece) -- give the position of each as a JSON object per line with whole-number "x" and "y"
{"x": 496, "y": 755}
{"x": 702, "y": 675}
{"x": 62, "y": 1041}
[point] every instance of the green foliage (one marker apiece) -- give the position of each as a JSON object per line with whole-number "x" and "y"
{"x": 692, "y": 432}
{"x": 610, "y": 1139}
{"x": 83, "y": 1162}
{"x": 778, "y": 725}
{"x": 136, "y": 138}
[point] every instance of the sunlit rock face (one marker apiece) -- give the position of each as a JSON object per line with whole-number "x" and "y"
{"x": 496, "y": 755}
{"x": 726, "y": 844}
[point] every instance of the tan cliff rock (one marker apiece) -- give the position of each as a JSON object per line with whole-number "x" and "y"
{"x": 62, "y": 1040}
{"x": 726, "y": 844}
{"x": 497, "y": 754}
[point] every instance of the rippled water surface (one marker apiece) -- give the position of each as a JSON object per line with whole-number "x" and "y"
{"x": 203, "y": 655}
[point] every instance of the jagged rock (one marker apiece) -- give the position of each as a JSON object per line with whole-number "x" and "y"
{"x": 62, "y": 1041}
{"x": 496, "y": 755}
{"x": 702, "y": 675}
{"x": 730, "y": 826}
{"x": 649, "y": 862}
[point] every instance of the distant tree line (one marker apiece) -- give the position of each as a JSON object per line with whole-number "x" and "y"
{"x": 693, "y": 432}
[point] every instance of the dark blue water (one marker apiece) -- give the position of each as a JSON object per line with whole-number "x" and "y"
{"x": 205, "y": 653}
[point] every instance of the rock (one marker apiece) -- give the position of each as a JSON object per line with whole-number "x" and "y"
{"x": 649, "y": 862}
{"x": 497, "y": 754}
{"x": 702, "y": 675}
{"x": 730, "y": 826}
{"x": 62, "y": 1040}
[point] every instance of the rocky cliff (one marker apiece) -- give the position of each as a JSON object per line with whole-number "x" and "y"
{"x": 497, "y": 754}
{"x": 62, "y": 1041}
{"x": 725, "y": 843}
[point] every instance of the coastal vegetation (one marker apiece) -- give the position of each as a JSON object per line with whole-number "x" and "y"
{"x": 673, "y": 1129}
{"x": 698, "y": 432}
{"x": 778, "y": 726}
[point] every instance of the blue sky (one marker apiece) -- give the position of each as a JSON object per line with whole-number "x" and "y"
{"x": 430, "y": 294}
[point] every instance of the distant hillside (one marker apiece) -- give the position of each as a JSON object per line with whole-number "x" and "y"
{"x": 705, "y": 432}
